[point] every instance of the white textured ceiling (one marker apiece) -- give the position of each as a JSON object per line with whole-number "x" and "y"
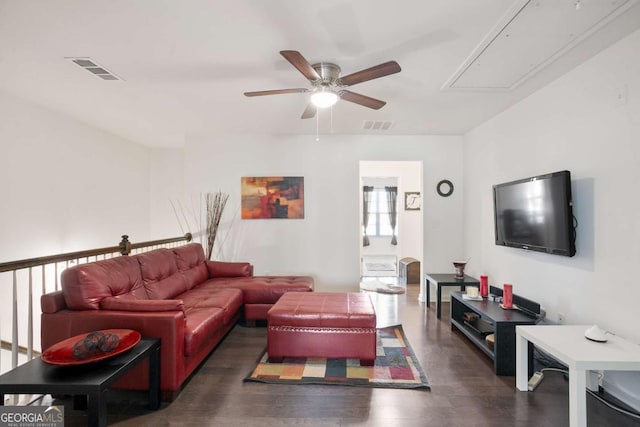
{"x": 185, "y": 64}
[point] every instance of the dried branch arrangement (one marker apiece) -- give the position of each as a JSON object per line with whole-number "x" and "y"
{"x": 215, "y": 203}
{"x": 192, "y": 219}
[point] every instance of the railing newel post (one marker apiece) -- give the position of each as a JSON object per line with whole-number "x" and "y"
{"x": 125, "y": 245}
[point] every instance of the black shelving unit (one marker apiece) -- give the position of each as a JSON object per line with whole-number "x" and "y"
{"x": 490, "y": 318}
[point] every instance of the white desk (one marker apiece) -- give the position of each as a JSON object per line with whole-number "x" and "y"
{"x": 568, "y": 344}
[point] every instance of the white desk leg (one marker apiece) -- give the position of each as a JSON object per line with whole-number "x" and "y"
{"x": 421, "y": 296}
{"x": 577, "y": 397}
{"x": 522, "y": 363}
{"x": 593, "y": 380}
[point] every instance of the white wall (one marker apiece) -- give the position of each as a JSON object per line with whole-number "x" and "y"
{"x": 581, "y": 122}
{"x": 166, "y": 192}
{"x": 64, "y": 186}
{"x": 326, "y": 243}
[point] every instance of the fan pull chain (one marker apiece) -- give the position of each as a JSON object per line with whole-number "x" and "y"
{"x": 331, "y": 121}
{"x": 318, "y": 125}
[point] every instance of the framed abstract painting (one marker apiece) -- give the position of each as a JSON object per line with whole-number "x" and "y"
{"x": 272, "y": 197}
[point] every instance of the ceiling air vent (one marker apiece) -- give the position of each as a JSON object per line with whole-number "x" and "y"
{"x": 94, "y": 68}
{"x": 377, "y": 125}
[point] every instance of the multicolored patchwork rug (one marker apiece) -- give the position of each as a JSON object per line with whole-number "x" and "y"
{"x": 396, "y": 366}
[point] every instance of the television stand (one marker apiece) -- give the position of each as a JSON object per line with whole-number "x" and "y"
{"x": 487, "y": 317}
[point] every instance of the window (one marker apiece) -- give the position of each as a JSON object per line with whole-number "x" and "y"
{"x": 379, "y": 224}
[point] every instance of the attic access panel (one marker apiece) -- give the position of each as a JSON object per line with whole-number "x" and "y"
{"x": 530, "y": 36}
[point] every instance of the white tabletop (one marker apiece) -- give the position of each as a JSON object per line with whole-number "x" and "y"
{"x": 569, "y": 345}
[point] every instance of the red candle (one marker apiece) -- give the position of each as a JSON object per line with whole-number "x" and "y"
{"x": 484, "y": 286}
{"x": 507, "y": 296}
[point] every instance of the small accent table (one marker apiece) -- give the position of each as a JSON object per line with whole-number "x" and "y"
{"x": 441, "y": 280}
{"x": 568, "y": 344}
{"x": 92, "y": 379}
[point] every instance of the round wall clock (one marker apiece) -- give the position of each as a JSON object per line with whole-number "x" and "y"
{"x": 445, "y": 188}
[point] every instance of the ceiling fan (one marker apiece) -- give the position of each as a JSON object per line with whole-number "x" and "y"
{"x": 327, "y": 86}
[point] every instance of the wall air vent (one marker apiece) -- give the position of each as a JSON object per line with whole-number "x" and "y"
{"x": 94, "y": 68}
{"x": 377, "y": 125}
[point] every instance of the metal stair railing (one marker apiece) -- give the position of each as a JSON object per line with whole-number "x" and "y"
{"x": 48, "y": 267}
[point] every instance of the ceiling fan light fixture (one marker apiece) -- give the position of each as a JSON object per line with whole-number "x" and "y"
{"x": 324, "y": 98}
{"x": 327, "y": 86}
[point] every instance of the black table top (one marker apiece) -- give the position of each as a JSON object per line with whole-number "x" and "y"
{"x": 451, "y": 279}
{"x": 101, "y": 373}
{"x": 494, "y": 312}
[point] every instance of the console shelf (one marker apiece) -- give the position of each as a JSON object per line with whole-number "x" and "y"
{"x": 491, "y": 318}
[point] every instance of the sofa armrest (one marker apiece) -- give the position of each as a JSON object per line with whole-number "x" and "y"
{"x": 229, "y": 269}
{"x": 52, "y": 302}
{"x": 146, "y": 305}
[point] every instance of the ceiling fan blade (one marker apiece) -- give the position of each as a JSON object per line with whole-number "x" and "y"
{"x": 297, "y": 60}
{"x": 309, "y": 112}
{"x": 276, "y": 92}
{"x": 378, "y": 71}
{"x": 366, "y": 101}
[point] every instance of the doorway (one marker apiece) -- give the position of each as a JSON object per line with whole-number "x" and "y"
{"x": 380, "y": 254}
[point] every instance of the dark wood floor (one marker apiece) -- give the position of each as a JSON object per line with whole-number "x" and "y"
{"x": 464, "y": 390}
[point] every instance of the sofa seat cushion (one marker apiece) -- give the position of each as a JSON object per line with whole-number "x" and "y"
{"x": 201, "y": 327}
{"x": 229, "y": 300}
{"x": 131, "y": 304}
{"x": 265, "y": 289}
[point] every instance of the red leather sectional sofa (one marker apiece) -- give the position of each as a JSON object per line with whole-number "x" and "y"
{"x": 171, "y": 294}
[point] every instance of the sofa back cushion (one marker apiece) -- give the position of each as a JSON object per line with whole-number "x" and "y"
{"x": 85, "y": 285}
{"x": 190, "y": 261}
{"x": 160, "y": 274}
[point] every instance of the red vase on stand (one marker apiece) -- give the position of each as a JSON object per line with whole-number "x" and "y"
{"x": 484, "y": 286}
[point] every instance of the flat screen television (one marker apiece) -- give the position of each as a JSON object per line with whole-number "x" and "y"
{"x": 536, "y": 214}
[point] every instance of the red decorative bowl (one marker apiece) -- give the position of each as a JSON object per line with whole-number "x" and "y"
{"x": 62, "y": 353}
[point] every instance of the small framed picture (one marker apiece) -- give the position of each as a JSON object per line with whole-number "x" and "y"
{"x": 412, "y": 201}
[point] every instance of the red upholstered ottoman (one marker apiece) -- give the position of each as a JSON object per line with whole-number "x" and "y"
{"x": 322, "y": 324}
